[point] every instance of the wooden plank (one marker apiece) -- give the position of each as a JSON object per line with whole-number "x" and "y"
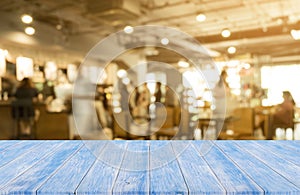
{"x": 100, "y": 178}
{"x": 16, "y": 151}
{"x": 282, "y": 151}
{"x": 6, "y": 144}
{"x": 199, "y": 177}
{"x": 133, "y": 177}
{"x": 68, "y": 177}
{"x": 165, "y": 173}
{"x": 269, "y": 180}
{"x": 282, "y": 166}
{"x": 295, "y": 145}
{"x": 31, "y": 180}
{"x": 24, "y": 162}
{"x": 229, "y": 174}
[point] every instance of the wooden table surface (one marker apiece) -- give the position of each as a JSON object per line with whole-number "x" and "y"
{"x": 149, "y": 167}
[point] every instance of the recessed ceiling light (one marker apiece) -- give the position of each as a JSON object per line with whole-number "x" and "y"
{"x": 29, "y": 30}
{"x": 201, "y": 17}
{"x": 27, "y": 19}
{"x": 295, "y": 34}
{"x": 231, "y": 50}
{"x": 164, "y": 41}
{"x": 226, "y": 33}
{"x": 128, "y": 29}
{"x": 183, "y": 64}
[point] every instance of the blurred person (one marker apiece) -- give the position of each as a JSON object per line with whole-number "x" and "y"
{"x": 158, "y": 93}
{"x": 25, "y": 95}
{"x": 284, "y": 113}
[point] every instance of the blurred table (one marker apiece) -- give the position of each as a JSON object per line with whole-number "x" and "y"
{"x": 149, "y": 167}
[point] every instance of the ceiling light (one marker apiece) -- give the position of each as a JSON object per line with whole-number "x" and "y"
{"x": 128, "y": 29}
{"x": 231, "y": 50}
{"x": 226, "y": 33}
{"x": 183, "y": 64}
{"x": 29, "y": 30}
{"x": 295, "y": 34}
{"x": 121, "y": 73}
{"x": 201, "y": 17}
{"x": 164, "y": 41}
{"x": 27, "y": 19}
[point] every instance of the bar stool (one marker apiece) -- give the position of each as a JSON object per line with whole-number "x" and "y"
{"x": 23, "y": 112}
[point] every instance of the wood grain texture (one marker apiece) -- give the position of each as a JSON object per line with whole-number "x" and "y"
{"x": 199, "y": 177}
{"x": 283, "y": 167}
{"x": 101, "y": 177}
{"x": 149, "y": 167}
{"x": 31, "y": 180}
{"x": 281, "y": 151}
{"x": 6, "y": 144}
{"x": 133, "y": 177}
{"x": 24, "y": 162}
{"x": 165, "y": 173}
{"x": 15, "y": 151}
{"x": 68, "y": 177}
{"x": 269, "y": 180}
{"x": 229, "y": 174}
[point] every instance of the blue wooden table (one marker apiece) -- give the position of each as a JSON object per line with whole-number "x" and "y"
{"x": 149, "y": 167}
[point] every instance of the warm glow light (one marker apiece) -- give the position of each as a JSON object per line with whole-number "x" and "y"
{"x": 231, "y": 50}
{"x": 226, "y": 33}
{"x": 183, "y": 64}
{"x": 201, "y": 17}
{"x": 29, "y": 30}
{"x": 50, "y": 71}
{"x": 128, "y": 29}
{"x": 121, "y": 73}
{"x": 295, "y": 34}
{"x": 2, "y": 62}
{"x": 27, "y": 19}
{"x": 24, "y": 67}
{"x": 164, "y": 41}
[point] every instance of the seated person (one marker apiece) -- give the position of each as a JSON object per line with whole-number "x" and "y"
{"x": 284, "y": 112}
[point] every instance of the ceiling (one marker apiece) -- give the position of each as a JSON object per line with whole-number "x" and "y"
{"x": 68, "y": 29}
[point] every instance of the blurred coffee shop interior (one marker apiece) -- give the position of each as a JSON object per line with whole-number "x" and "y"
{"x": 254, "y": 43}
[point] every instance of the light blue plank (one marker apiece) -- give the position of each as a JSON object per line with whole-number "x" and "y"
{"x": 285, "y": 168}
{"x": 133, "y": 177}
{"x": 269, "y": 180}
{"x": 16, "y": 151}
{"x": 294, "y": 145}
{"x": 68, "y": 177}
{"x": 165, "y": 173}
{"x": 229, "y": 174}
{"x": 282, "y": 151}
{"x": 100, "y": 178}
{"x": 31, "y": 180}
{"x": 24, "y": 162}
{"x": 199, "y": 177}
{"x": 6, "y": 144}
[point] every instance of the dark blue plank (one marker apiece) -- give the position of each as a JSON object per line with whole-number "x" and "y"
{"x": 24, "y": 162}
{"x": 68, "y": 177}
{"x": 229, "y": 174}
{"x": 199, "y": 177}
{"x": 133, "y": 177}
{"x": 102, "y": 175}
{"x": 269, "y": 180}
{"x": 165, "y": 173}
{"x": 280, "y": 165}
{"x": 31, "y": 180}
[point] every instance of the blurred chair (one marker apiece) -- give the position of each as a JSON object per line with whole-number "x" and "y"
{"x": 243, "y": 127}
{"x": 23, "y": 114}
{"x": 169, "y": 129}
